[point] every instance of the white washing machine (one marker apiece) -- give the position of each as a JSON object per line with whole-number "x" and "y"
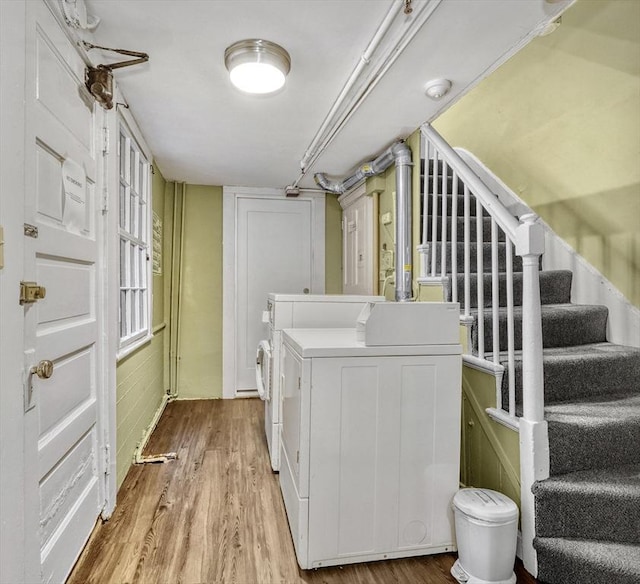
{"x": 370, "y": 445}
{"x": 285, "y": 311}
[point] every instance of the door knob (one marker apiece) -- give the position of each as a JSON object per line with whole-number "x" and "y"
{"x": 43, "y": 370}
{"x": 306, "y": 290}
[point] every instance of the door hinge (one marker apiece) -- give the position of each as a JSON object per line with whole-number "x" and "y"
{"x": 298, "y": 383}
{"x": 30, "y": 292}
{"x": 1, "y": 247}
{"x": 107, "y": 459}
{"x": 29, "y": 401}
{"x": 105, "y": 198}
{"x": 105, "y": 141}
{"x": 297, "y": 456}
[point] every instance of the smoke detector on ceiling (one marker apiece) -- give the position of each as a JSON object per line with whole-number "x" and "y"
{"x": 437, "y": 88}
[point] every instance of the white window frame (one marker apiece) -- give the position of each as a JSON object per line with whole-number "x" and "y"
{"x": 135, "y": 279}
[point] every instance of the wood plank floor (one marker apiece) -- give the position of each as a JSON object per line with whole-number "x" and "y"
{"x": 215, "y": 515}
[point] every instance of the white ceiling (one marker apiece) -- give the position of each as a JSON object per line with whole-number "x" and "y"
{"x": 202, "y": 130}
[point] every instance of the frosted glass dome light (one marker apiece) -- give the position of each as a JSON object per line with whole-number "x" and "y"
{"x": 257, "y": 66}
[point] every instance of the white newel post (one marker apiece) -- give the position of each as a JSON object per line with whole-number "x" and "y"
{"x": 534, "y": 440}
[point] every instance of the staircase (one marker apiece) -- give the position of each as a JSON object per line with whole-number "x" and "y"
{"x": 587, "y": 513}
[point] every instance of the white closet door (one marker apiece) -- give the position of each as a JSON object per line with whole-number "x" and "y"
{"x": 357, "y": 243}
{"x": 274, "y": 254}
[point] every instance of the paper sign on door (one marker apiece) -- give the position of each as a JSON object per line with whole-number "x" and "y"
{"x": 75, "y": 195}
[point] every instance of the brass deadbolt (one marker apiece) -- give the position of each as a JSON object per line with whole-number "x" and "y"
{"x": 30, "y": 292}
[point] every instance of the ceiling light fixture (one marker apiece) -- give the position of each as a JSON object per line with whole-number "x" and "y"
{"x": 437, "y": 88}
{"x": 257, "y": 66}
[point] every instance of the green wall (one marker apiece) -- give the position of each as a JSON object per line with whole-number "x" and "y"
{"x": 333, "y": 245}
{"x": 490, "y": 452}
{"x": 200, "y": 306}
{"x": 140, "y": 376}
{"x": 560, "y": 124}
{"x": 200, "y": 328}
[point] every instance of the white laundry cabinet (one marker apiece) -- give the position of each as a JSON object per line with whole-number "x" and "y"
{"x": 370, "y": 446}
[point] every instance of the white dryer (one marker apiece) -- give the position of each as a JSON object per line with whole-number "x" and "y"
{"x": 370, "y": 445}
{"x": 288, "y": 311}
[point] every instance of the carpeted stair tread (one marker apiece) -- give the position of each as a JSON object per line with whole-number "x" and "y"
{"x": 473, "y": 248}
{"x": 582, "y": 371}
{"x": 473, "y": 207}
{"x": 596, "y": 433}
{"x": 576, "y": 561}
{"x": 449, "y": 185}
{"x": 581, "y": 505}
{"x": 588, "y": 511}
{"x": 473, "y": 230}
{"x": 563, "y": 325}
{"x": 555, "y": 288}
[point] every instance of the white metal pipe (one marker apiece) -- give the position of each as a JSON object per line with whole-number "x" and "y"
{"x": 505, "y": 220}
{"x": 380, "y": 33}
{"x": 420, "y": 16}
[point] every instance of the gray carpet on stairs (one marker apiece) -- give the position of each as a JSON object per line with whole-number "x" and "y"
{"x": 593, "y": 433}
{"x": 582, "y": 371}
{"x": 588, "y": 511}
{"x": 555, "y": 288}
{"x": 576, "y": 561}
{"x": 563, "y": 325}
{"x": 580, "y": 505}
{"x": 486, "y": 257}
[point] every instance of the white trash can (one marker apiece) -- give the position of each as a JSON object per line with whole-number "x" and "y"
{"x": 486, "y": 532}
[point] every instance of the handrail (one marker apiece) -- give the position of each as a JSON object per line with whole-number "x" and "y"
{"x": 504, "y": 219}
{"x": 527, "y": 237}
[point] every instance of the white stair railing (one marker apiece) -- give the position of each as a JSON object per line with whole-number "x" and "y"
{"x": 440, "y": 263}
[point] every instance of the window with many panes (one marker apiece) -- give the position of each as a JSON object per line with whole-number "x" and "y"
{"x": 134, "y": 235}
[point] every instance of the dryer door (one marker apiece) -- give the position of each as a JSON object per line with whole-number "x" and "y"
{"x": 263, "y": 370}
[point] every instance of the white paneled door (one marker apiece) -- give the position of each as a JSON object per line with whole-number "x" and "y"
{"x": 274, "y": 255}
{"x": 63, "y": 470}
{"x": 357, "y": 243}
{"x": 279, "y": 247}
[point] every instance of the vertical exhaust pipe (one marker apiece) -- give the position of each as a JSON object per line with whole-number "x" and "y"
{"x": 404, "y": 272}
{"x": 399, "y": 153}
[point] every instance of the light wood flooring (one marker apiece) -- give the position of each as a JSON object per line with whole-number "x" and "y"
{"x": 215, "y": 515}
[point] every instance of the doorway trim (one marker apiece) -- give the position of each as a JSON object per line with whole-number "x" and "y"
{"x": 230, "y": 197}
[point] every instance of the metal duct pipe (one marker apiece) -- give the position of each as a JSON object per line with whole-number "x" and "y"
{"x": 380, "y": 164}
{"x": 399, "y": 153}
{"x": 402, "y": 156}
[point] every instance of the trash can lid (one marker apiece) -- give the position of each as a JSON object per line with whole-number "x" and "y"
{"x": 486, "y": 505}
